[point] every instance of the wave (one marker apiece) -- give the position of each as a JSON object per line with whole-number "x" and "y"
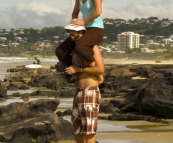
{"x": 23, "y": 60}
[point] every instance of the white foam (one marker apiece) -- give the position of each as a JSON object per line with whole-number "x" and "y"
{"x": 23, "y": 60}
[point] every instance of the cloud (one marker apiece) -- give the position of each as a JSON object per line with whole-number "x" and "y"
{"x": 33, "y": 15}
{"x": 160, "y": 9}
{"x": 39, "y": 15}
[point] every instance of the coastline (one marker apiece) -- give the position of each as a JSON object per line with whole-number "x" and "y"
{"x": 129, "y": 61}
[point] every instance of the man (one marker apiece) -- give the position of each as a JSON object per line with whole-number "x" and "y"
{"x": 37, "y": 61}
{"x": 87, "y": 98}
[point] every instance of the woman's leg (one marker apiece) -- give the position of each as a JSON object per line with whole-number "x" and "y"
{"x": 64, "y": 50}
{"x": 84, "y": 47}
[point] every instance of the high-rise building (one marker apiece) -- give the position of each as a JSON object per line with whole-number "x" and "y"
{"x": 128, "y": 40}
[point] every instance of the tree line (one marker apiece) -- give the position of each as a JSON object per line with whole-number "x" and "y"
{"x": 111, "y": 31}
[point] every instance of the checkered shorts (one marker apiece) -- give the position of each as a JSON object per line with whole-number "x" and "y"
{"x": 85, "y": 111}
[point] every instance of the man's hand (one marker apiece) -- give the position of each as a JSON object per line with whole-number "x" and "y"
{"x": 71, "y": 70}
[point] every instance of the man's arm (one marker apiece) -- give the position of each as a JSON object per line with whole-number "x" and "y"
{"x": 97, "y": 69}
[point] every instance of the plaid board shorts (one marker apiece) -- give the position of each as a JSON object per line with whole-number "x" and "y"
{"x": 85, "y": 111}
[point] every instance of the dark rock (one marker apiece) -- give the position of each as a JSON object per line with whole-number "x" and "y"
{"x": 153, "y": 99}
{"x": 67, "y": 92}
{"x": 107, "y": 108}
{"x": 3, "y": 94}
{"x": 3, "y": 91}
{"x": 12, "y": 87}
{"x": 102, "y": 117}
{"x": 150, "y": 96}
{"x": 2, "y": 139}
{"x": 118, "y": 101}
{"x": 59, "y": 113}
{"x": 33, "y": 122}
{"x": 50, "y": 80}
{"x": 24, "y": 87}
{"x": 17, "y": 94}
{"x": 133, "y": 117}
{"x": 25, "y": 95}
{"x": 67, "y": 112}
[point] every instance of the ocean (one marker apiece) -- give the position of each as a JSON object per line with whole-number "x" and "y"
{"x": 23, "y": 60}
{"x": 12, "y": 62}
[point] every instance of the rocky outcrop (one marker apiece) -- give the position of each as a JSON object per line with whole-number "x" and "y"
{"x": 132, "y": 92}
{"x": 135, "y": 117}
{"x": 139, "y": 89}
{"x": 155, "y": 98}
{"x": 33, "y": 122}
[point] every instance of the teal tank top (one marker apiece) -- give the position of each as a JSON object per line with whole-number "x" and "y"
{"x": 87, "y": 8}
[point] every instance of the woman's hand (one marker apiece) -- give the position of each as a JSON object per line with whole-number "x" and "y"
{"x": 77, "y": 22}
{"x": 71, "y": 70}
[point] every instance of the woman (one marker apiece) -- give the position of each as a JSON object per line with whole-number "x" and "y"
{"x": 92, "y": 19}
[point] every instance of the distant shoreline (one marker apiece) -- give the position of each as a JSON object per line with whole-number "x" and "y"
{"x": 137, "y": 61}
{"x": 48, "y": 64}
{"x": 26, "y": 56}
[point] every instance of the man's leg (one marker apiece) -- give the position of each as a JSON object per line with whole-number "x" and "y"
{"x": 88, "y": 108}
{"x": 79, "y": 139}
{"x": 85, "y": 138}
{"x": 89, "y": 138}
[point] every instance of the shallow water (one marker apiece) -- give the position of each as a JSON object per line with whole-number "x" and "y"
{"x": 23, "y": 60}
{"x": 3, "y": 72}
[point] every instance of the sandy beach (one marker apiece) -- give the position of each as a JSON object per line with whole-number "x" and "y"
{"x": 127, "y": 61}
{"x": 132, "y": 131}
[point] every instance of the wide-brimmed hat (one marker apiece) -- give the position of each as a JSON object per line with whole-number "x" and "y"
{"x": 74, "y": 27}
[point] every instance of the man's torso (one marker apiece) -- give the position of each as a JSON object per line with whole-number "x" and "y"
{"x": 83, "y": 79}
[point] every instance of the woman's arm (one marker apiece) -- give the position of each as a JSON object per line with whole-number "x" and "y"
{"x": 76, "y": 10}
{"x": 97, "y": 12}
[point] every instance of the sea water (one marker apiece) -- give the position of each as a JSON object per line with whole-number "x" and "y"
{"x": 23, "y": 60}
{"x": 12, "y": 62}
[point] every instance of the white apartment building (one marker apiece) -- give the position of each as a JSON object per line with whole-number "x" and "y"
{"x": 128, "y": 40}
{"x": 167, "y": 41}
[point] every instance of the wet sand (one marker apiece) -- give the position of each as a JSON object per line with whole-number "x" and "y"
{"x": 127, "y": 61}
{"x": 127, "y": 137}
{"x": 132, "y": 132}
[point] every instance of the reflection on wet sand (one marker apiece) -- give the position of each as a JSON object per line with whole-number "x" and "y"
{"x": 128, "y": 137}
{"x": 136, "y": 137}
{"x": 132, "y": 132}
{"x": 117, "y": 131}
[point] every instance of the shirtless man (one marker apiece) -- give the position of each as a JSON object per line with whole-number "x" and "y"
{"x": 87, "y": 98}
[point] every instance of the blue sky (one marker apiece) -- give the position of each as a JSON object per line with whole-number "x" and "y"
{"x": 46, "y": 13}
